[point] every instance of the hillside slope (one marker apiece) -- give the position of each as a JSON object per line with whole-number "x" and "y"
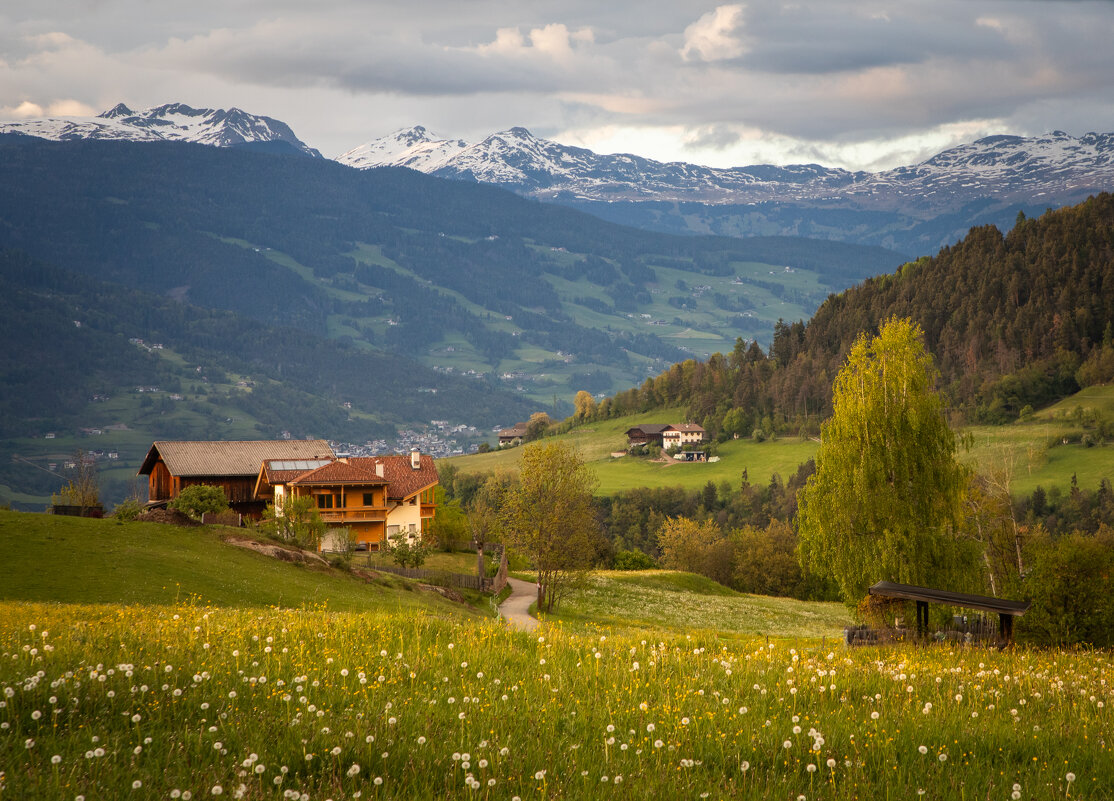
{"x": 468, "y": 278}
{"x": 47, "y": 558}
{"x": 1012, "y": 321}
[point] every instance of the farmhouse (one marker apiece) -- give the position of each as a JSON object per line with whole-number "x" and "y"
{"x": 171, "y": 466}
{"x": 376, "y": 497}
{"x": 512, "y": 435}
{"x": 664, "y": 434}
{"x": 681, "y": 434}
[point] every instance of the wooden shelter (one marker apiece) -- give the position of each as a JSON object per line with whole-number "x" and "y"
{"x": 1006, "y": 610}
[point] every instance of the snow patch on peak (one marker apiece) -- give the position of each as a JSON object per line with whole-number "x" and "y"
{"x": 173, "y": 121}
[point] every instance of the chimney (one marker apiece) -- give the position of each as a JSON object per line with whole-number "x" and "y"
{"x": 379, "y": 468}
{"x": 416, "y": 459}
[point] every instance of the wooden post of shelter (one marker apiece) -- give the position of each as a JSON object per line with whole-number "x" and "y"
{"x": 922, "y": 618}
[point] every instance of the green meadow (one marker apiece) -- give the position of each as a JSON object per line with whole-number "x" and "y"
{"x": 1045, "y": 449}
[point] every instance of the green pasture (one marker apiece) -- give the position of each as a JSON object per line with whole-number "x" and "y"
{"x": 684, "y": 602}
{"x": 47, "y": 558}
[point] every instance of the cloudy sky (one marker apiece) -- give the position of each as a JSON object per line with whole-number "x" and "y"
{"x": 849, "y": 83}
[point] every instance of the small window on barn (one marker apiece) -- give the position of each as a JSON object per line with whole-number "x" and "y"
{"x": 324, "y": 501}
{"x": 369, "y": 499}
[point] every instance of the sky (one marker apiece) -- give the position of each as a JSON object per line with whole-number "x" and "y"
{"x": 843, "y": 83}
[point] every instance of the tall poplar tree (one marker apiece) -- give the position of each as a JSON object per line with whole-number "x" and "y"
{"x": 886, "y": 498}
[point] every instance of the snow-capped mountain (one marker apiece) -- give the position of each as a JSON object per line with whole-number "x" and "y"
{"x": 174, "y": 122}
{"x": 413, "y": 147}
{"x": 1006, "y": 168}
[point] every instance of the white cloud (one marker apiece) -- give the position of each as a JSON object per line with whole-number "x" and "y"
{"x": 715, "y": 36}
{"x": 839, "y": 81}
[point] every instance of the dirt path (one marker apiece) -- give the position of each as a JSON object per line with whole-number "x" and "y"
{"x": 516, "y": 609}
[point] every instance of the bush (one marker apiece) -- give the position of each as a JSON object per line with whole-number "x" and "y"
{"x": 633, "y": 560}
{"x": 1071, "y": 584}
{"x": 198, "y": 499}
{"x": 128, "y": 509}
{"x": 297, "y": 521}
{"x": 406, "y": 553}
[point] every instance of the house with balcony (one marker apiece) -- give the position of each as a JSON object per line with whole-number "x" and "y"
{"x": 376, "y": 497}
{"x": 681, "y": 434}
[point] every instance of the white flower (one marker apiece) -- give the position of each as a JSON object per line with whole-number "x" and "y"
{"x": 355, "y": 769}
{"x": 217, "y": 789}
{"x": 1070, "y": 777}
{"x": 923, "y": 749}
{"x": 137, "y": 784}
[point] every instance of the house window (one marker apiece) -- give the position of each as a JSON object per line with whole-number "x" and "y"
{"x": 324, "y": 501}
{"x": 369, "y": 499}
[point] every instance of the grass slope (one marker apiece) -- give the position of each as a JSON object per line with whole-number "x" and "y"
{"x": 1044, "y": 449}
{"x": 684, "y": 602}
{"x": 75, "y": 560}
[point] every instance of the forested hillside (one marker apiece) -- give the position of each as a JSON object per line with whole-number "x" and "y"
{"x": 464, "y": 277}
{"x": 1013, "y": 321}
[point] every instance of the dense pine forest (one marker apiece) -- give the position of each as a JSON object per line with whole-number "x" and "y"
{"x": 1012, "y": 321}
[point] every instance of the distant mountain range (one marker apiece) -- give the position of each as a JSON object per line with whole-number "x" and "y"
{"x": 174, "y": 122}
{"x": 1009, "y": 168}
{"x": 914, "y": 210}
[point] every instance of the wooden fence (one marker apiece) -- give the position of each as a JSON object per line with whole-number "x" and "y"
{"x": 441, "y": 578}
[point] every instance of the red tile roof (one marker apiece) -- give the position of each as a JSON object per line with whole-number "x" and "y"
{"x": 340, "y": 472}
{"x": 404, "y": 480}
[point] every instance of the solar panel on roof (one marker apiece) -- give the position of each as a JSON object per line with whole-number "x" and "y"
{"x": 298, "y": 464}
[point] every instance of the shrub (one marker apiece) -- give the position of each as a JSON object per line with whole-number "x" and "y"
{"x": 128, "y": 509}
{"x": 633, "y": 560}
{"x": 407, "y": 553}
{"x": 198, "y": 499}
{"x": 1071, "y": 584}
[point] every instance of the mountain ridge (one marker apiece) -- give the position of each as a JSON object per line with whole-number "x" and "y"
{"x": 1004, "y": 166}
{"x": 176, "y": 122}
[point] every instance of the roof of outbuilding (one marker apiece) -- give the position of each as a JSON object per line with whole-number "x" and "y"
{"x": 985, "y": 603}
{"x": 230, "y": 458}
{"x": 648, "y": 428}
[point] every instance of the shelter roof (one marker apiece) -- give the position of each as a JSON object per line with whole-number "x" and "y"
{"x": 984, "y": 603}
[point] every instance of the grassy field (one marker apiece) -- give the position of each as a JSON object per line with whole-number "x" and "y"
{"x": 1045, "y": 449}
{"x": 597, "y": 441}
{"x": 192, "y": 702}
{"x": 76, "y": 560}
{"x": 150, "y": 662}
{"x": 684, "y": 602}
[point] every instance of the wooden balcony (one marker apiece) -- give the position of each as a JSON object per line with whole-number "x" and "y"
{"x": 353, "y": 515}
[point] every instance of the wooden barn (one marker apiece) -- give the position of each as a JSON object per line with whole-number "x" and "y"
{"x": 171, "y": 466}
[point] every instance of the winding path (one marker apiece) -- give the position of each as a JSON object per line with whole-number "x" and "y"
{"x": 516, "y": 609}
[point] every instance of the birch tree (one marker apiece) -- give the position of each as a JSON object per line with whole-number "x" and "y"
{"x": 886, "y": 498}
